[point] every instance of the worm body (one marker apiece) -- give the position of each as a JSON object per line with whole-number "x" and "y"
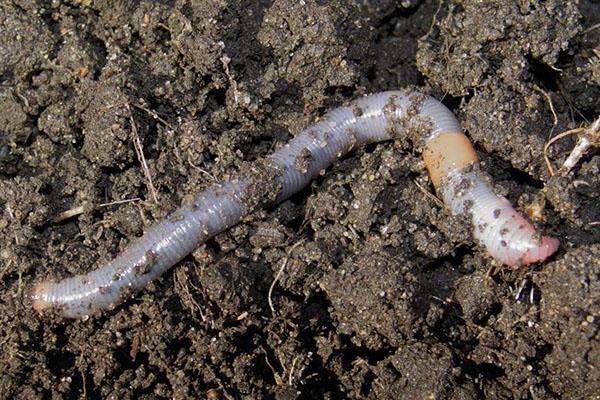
{"x": 448, "y": 155}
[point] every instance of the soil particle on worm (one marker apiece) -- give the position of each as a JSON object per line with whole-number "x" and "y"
{"x": 359, "y": 286}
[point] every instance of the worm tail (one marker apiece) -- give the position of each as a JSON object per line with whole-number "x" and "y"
{"x": 506, "y": 235}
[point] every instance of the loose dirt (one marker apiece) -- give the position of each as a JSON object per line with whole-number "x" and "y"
{"x": 381, "y": 294}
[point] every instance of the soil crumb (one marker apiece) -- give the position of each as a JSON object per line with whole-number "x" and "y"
{"x": 361, "y": 286}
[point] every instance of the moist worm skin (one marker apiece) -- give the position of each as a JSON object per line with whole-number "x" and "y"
{"x": 447, "y": 153}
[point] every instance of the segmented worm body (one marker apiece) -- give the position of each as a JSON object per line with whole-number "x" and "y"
{"x": 448, "y": 155}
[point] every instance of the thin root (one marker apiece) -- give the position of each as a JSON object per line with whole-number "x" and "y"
{"x": 155, "y": 115}
{"x": 428, "y": 194}
{"x": 137, "y": 144}
{"x": 278, "y": 276}
{"x": 112, "y": 203}
{"x": 550, "y": 104}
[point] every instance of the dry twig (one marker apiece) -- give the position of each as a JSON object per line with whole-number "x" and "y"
{"x": 588, "y": 137}
{"x": 137, "y": 143}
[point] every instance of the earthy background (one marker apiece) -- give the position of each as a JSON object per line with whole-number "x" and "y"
{"x": 380, "y": 295}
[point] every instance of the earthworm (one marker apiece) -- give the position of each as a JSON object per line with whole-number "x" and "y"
{"x": 448, "y": 155}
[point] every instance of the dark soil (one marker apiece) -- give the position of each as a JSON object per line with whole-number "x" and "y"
{"x": 387, "y": 299}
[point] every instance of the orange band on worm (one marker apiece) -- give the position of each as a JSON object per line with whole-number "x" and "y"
{"x": 447, "y": 152}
